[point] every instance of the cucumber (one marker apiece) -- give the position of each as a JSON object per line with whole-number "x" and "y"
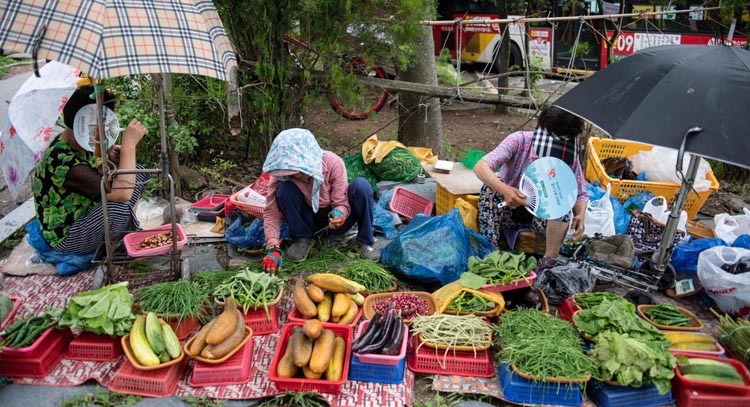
{"x": 714, "y": 379}
{"x": 170, "y": 340}
{"x": 719, "y": 369}
{"x": 154, "y": 333}
{"x": 138, "y": 342}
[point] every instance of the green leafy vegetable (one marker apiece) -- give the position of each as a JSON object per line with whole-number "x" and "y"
{"x": 107, "y": 310}
{"x": 633, "y": 362}
{"x": 502, "y": 267}
{"x": 250, "y": 289}
{"x": 618, "y": 316}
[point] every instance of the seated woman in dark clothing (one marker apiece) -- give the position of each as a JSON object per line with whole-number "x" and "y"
{"x": 67, "y": 186}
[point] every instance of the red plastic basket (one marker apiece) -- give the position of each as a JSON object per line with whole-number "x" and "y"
{"x": 429, "y": 360}
{"x": 16, "y": 306}
{"x": 512, "y": 285}
{"x": 133, "y": 239}
{"x": 210, "y": 203}
{"x": 686, "y": 397}
{"x": 260, "y": 186}
{"x": 566, "y": 309}
{"x": 38, "y": 359}
{"x": 90, "y": 346}
{"x": 302, "y": 384}
{"x": 408, "y": 203}
{"x": 295, "y": 316}
{"x": 375, "y": 359}
{"x": 235, "y": 370}
{"x": 261, "y": 323}
{"x": 700, "y": 385}
{"x": 149, "y": 383}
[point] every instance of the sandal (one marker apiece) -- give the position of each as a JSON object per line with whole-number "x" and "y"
{"x": 298, "y": 251}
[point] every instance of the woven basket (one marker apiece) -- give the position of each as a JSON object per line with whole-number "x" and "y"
{"x": 695, "y": 323}
{"x": 368, "y": 307}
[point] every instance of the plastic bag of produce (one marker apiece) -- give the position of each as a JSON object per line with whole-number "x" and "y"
{"x": 561, "y": 282}
{"x": 726, "y": 283}
{"x": 434, "y": 249}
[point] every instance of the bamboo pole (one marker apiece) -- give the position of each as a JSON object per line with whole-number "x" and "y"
{"x": 646, "y": 14}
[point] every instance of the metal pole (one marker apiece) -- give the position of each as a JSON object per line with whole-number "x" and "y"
{"x": 665, "y": 246}
{"x": 166, "y": 176}
{"x": 99, "y": 90}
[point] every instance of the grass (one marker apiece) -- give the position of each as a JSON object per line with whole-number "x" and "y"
{"x": 4, "y": 62}
{"x": 102, "y": 398}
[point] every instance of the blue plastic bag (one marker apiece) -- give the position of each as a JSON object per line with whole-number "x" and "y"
{"x": 382, "y": 221}
{"x": 622, "y": 217}
{"x": 250, "y": 237}
{"x": 685, "y": 256}
{"x": 742, "y": 241}
{"x": 385, "y": 198}
{"x": 66, "y": 263}
{"x": 434, "y": 249}
{"x": 637, "y": 201}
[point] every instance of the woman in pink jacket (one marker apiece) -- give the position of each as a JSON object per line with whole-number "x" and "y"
{"x": 309, "y": 189}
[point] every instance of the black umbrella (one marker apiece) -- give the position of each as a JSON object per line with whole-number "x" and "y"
{"x": 689, "y": 97}
{"x": 655, "y": 95}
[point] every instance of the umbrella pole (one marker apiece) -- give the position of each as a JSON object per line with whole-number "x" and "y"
{"x": 99, "y": 90}
{"x": 166, "y": 176}
{"x": 665, "y": 246}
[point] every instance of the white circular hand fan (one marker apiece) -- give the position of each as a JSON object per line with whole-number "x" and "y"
{"x": 550, "y": 188}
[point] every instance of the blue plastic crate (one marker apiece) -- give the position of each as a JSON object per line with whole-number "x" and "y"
{"x": 607, "y": 395}
{"x": 369, "y": 372}
{"x": 522, "y": 391}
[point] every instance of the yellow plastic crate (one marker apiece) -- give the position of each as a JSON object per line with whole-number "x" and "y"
{"x": 601, "y": 149}
{"x": 445, "y": 201}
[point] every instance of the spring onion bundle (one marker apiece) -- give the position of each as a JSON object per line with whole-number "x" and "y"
{"x": 209, "y": 280}
{"x": 735, "y": 334}
{"x": 183, "y": 298}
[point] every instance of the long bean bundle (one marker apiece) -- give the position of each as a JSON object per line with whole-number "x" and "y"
{"x": 735, "y": 334}
{"x": 589, "y": 300}
{"x": 371, "y": 275}
{"x": 542, "y": 346}
{"x": 182, "y": 298}
{"x": 250, "y": 289}
{"x": 667, "y": 314}
{"x": 453, "y": 330}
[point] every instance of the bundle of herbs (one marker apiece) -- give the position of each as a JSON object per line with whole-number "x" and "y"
{"x": 497, "y": 267}
{"x": 180, "y": 299}
{"x": 209, "y": 280}
{"x": 632, "y": 362}
{"x": 107, "y": 310}
{"x": 371, "y": 275}
{"x": 250, "y": 289}
{"x": 542, "y": 346}
{"x": 618, "y": 316}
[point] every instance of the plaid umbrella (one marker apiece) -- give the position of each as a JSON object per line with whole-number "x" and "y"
{"x": 109, "y": 38}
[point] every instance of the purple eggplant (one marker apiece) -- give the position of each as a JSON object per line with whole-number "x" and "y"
{"x": 373, "y": 329}
{"x": 385, "y": 333}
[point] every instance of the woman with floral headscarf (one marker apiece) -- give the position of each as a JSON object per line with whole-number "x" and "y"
{"x": 309, "y": 189}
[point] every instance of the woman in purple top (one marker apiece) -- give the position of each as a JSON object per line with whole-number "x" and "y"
{"x": 501, "y": 171}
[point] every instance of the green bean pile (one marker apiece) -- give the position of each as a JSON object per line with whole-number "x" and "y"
{"x": 469, "y": 302}
{"x": 667, "y": 314}
{"x": 324, "y": 259}
{"x": 453, "y": 330}
{"x": 183, "y": 298}
{"x": 589, "y": 300}
{"x": 250, "y": 289}
{"x": 542, "y": 346}
{"x": 371, "y": 275}
{"x": 24, "y": 332}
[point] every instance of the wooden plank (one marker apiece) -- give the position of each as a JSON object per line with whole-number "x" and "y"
{"x": 17, "y": 219}
{"x": 460, "y": 181}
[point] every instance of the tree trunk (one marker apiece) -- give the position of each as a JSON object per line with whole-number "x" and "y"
{"x": 504, "y": 55}
{"x": 174, "y": 160}
{"x": 420, "y": 118}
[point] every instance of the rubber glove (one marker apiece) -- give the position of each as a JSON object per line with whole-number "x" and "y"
{"x": 335, "y": 219}
{"x": 272, "y": 261}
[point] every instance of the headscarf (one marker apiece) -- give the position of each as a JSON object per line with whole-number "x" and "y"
{"x": 296, "y": 150}
{"x": 548, "y": 144}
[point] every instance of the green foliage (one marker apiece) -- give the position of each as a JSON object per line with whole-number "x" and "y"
{"x": 290, "y": 398}
{"x": 4, "y": 62}
{"x": 202, "y": 401}
{"x": 101, "y": 398}
{"x": 219, "y": 167}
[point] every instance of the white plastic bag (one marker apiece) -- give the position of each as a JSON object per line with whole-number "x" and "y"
{"x": 600, "y": 216}
{"x": 659, "y": 165}
{"x": 730, "y": 227}
{"x": 731, "y": 292}
{"x": 661, "y": 214}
